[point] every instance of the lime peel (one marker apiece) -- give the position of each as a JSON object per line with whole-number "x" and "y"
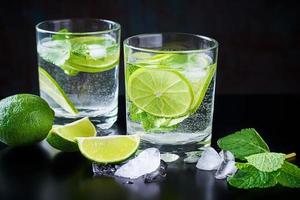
{"x": 64, "y": 137}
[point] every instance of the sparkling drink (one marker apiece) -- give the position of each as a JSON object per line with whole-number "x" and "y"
{"x": 170, "y": 83}
{"x": 78, "y": 69}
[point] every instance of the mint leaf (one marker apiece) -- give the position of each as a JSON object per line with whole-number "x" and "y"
{"x": 150, "y": 122}
{"x": 289, "y": 175}
{"x": 60, "y": 35}
{"x": 249, "y": 177}
{"x": 243, "y": 143}
{"x": 266, "y": 162}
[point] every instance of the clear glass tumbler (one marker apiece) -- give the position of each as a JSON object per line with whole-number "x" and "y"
{"x": 78, "y": 63}
{"x": 170, "y": 86}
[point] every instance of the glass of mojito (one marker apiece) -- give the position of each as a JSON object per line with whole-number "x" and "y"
{"x": 170, "y": 85}
{"x": 78, "y": 63}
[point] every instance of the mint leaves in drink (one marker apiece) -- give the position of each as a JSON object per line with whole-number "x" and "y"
{"x": 263, "y": 168}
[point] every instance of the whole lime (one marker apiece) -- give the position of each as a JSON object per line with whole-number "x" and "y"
{"x": 24, "y": 119}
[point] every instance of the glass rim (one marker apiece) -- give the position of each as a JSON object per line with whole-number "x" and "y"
{"x": 149, "y": 50}
{"x": 116, "y": 26}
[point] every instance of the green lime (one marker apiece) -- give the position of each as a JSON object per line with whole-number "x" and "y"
{"x": 24, "y": 119}
{"x": 50, "y": 87}
{"x": 200, "y": 88}
{"x": 160, "y": 92}
{"x": 108, "y": 149}
{"x": 92, "y": 54}
{"x": 63, "y": 137}
{"x": 148, "y": 59}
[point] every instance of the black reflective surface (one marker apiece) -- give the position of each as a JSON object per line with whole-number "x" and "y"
{"x": 32, "y": 173}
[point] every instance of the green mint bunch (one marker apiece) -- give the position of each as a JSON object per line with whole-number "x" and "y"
{"x": 261, "y": 168}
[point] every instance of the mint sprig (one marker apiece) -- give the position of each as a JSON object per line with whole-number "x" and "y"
{"x": 289, "y": 175}
{"x": 243, "y": 143}
{"x": 266, "y": 162}
{"x": 263, "y": 168}
{"x": 249, "y": 177}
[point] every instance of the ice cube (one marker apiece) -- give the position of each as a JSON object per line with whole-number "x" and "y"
{"x": 96, "y": 51}
{"x": 226, "y": 169}
{"x": 209, "y": 160}
{"x": 104, "y": 170}
{"x": 194, "y": 74}
{"x": 146, "y": 162}
{"x": 54, "y": 51}
{"x": 169, "y": 157}
{"x": 226, "y": 156}
{"x": 158, "y": 174}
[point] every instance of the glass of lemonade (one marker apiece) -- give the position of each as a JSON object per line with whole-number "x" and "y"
{"x": 170, "y": 86}
{"x": 78, "y": 63}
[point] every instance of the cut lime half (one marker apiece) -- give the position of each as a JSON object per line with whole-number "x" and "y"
{"x": 50, "y": 87}
{"x": 108, "y": 149}
{"x": 160, "y": 92}
{"x": 64, "y": 137}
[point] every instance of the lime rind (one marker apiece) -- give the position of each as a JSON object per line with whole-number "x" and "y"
{"x": 50, "y": 87}
{"x": 60, "y": 143}
{"x": 160, "y": 92}
{"x": 108, "y": 149}
{"x": 64, "y": 137}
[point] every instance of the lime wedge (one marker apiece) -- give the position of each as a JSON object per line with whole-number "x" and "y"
{"x": 201, "y": 87}
{"x": 160, "y": 92}
{"x": 92, "y": 54}
{"x": 63, "y": 137}
{"x": 108, "y": 149}
{"x": 49, "y": 86}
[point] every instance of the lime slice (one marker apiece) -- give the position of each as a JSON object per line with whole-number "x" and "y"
{"x": 108, "y": 149}
{"x": 49, "y": 86}
{"x": 92, "y": 54}
{"x": 201, "y": 87}
{"x": 160, "y": 92}
{"x": 63, "y": 137}
{"x": 156, "y": 59}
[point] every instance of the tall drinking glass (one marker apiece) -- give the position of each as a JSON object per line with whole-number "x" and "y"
{"x": 170, "y": 86}
{"x": 78, "y": 69}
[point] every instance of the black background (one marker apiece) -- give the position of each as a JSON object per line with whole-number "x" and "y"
{"x": 259, "y": 39}
{"x": 258, "y": 67}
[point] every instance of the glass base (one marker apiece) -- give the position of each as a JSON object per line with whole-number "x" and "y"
{"x": 178, "y": 149}
{"x": 105, "y": 121}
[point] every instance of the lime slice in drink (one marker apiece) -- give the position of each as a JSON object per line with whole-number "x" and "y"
{"x": 108, "y": 149}
{"x": 92, "y": 54}
{"x": 160, "y": 92}
{"x": 50, "y": 87}
{"x": 200, "y": 87}
{"x": 148, "y": 59}
{"x": 63, "y": 137}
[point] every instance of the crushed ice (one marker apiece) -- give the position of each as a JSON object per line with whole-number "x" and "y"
{"x": 223, "y": 162}
{"x": 169, "y": 157}
{"x": 147, "y": 164}
{"x": 192, "y": 156}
